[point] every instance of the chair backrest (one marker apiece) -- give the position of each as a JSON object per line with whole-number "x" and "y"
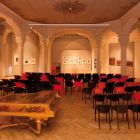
{"x": 99, "y": 97}
{"x": 103, "y": 108}
{"x": 121, "y": 108}
{"x": 135, "y": 108}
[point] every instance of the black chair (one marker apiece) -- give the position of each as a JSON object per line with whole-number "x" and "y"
{"x": 135, "y": 109}
{"x": 113, "y": 98}
{"x": 104, "y": 80}
{"x": 129, "y": 89}
{"x": 130, "y": 80}
{"x": 105, "y": 109}
{"x": 121, "y": 109}
{"x": 109, "y": 75}
{"x": 69, "y": 84}
{"x": 119, "y": 84}
{"x": 98, "y": 98}
{"x": 126, "y": 97}
{"x": 85, "y": 92}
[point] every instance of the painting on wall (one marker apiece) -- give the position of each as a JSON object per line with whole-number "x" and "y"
{"x": 33, "y": 61}
{"x": 112, "y": 61}
{"x": 15, "y": 60}
{"x": 64, "y": 57}
{"x": 88, "y": 61}
{"x": 84, "y": 61}
{"x": 129, "y": 63}
{"x": 64, "y": 62}
{"x": 26, "y": 62}
{"x": 118, "y": 62}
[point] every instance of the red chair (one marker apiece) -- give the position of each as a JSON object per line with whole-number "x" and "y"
{"x": 60, "y": 80}
{"x": 119, "y": 90}
{"x": 136, "y": 97}
{"x": 103, "y": 76}
{"x": 58, "y": 87}
{"x": 99, "y": 88}
{"x": 44, "y": 78}
{"x": 20, "y": 85}
{"x": 78, "y": 85}
{"x": 24, "y": 76}
{"x": 54, "y": 70}
{"x": 113, "y": 80}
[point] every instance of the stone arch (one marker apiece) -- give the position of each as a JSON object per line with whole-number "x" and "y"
{"x": 7, "y": 31}
{"x": 41, "y": 45}
{"x": 52, "y": 37}
{"x": 135, "y": 15}
{"x": 107, "y": 37}
{"x": 13, "y": 24}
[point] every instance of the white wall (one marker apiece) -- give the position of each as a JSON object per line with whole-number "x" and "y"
{"x": 31, "y": 50}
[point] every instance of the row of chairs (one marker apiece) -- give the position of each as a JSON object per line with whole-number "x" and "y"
{"x": 119, "y": 109}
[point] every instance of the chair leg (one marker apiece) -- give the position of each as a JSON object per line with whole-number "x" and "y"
{"x": 109, "y": 120}
{"x": 127, "y": 120}
{"x": 95, "y": 114}
{"x": 134, "y": 120}
{"x": 99, "y": 118}
{"x": 85, "y": 97}
{"x": 117, "y": 120}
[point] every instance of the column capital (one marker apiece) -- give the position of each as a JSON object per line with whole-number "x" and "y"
{"x": 123, "y": 39}
{"x": 99, "y": 41}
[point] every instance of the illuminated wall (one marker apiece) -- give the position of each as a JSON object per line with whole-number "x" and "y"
{"x": 76, "y": 61}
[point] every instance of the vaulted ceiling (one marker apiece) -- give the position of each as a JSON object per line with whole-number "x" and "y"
{"x": 70, "y": 11}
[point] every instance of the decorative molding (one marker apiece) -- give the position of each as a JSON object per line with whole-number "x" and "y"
{"x": 70, "y": 6}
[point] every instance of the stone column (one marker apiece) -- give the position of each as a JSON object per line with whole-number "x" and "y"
{"x": 43, "y": 58}
{"x": 98, "y": 54}
{"x": 123, "y": 44}
{"x": 20, "y": 56}
{"x": 48, "y": 52}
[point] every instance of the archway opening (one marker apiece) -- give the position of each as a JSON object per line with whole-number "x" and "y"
{"x": 71, "y": 53}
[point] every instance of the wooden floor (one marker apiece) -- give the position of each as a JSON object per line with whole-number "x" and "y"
{"x": 74, "y": 121}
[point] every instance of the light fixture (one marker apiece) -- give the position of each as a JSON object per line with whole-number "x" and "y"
{"x": 70, "y": 6}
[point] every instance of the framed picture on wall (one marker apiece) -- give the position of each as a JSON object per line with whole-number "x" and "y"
{"x": 118, "y": 62}
{"x": 84, "y": 61}
{"x": 33, "y": 61}
{"x": 64, "y": 62}
{"x": 69, "y": 57}
{"x": 88, "y": 61}
{"x": 15, "y": 60}
{"x": 64, "y": 57}
{"x": 74, "y": 57}
{"x": 26, "y": 62}
{"x": 129, "y": 63}
{"x": 112, "y": 61}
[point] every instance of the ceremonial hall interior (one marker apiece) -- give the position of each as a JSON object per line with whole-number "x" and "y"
{"x": 69, "y": 69}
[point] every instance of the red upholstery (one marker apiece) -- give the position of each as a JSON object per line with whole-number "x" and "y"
{"x": 119, "y": 90}
{"x": 24, "y": 76}
{"x": 59, "y": 88}
{"x": 113, "y": 80}
{"x": 60, "y": 80}
{"x": 78, "y": 84}
{"x": 44, "y": 77}
{"x": 99, "y": 88}
{"x": 136, "y": 96}
{"x": 103, "y": 76}
{"x": 20, "y": 85}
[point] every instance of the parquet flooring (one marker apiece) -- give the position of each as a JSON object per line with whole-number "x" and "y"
{"x": 74, "y": 120}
